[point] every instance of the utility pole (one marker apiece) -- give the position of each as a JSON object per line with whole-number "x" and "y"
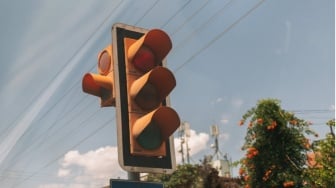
{"x": 222, "y": 163}
{"x": 184, "y": 133}
{"x": 214, "y": 133}
{"x": 181, "y": 132}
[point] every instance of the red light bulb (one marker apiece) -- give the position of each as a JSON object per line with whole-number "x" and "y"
{"x": 144, "y": 59}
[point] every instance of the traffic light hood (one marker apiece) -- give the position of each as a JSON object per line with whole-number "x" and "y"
{"x": 157, "y": 40}
{"x": 163, "y": 81}
{"x": 92, "y": 83}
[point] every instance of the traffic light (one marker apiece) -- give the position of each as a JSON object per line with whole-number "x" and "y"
{"x": 143, "y": 83}
{"x": 101, "y": 85}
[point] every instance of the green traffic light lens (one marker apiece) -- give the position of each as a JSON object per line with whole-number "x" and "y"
{"x": 151, "y": 137}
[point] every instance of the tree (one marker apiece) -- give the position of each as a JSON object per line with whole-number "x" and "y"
{"x": 195, "y": 176}
{"x": 186, "y": 176}
{"x": 275, "y": 146}
{"x": 322, "y": 174}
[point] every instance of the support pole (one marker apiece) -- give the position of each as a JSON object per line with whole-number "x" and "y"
{"x": 134, "y": 176}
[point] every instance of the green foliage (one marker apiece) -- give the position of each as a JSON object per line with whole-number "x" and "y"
{"x": 185, "y": 176}
{"x": 275, "y": 146}
{"x": 195, "y": 176}
{"x": 323, "y": 173}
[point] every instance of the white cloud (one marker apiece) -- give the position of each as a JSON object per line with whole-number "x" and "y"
{"x": 224, "y": 136}
{"x": 90, "y": 169}
{"x": 63, "y": 172}
{"x": 219, "y": 99}
{"x": 98, "y": 164}
{"x": 95, "y": 168}
{"x": 237, "y": 103}
{"x": 224, "y": 120}
{"x": 196, "y": 143}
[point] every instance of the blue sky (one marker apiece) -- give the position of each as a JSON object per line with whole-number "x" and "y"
{"x": 227, "y": 55}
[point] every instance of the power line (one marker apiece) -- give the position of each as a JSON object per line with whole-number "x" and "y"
{"x": 206, "y": 46}
{"x": 61, "y": 98}
{"x": 178, "y": 11}
{"x": 320, "y": 111}
{"x": 71, "y": 59}
{"x": 210, "y": 20}
{"x": 219, "y": 36}
{"x": 63, "y": 153}
{"x": 190, "y": 17}
{"x": 153, "y": 5}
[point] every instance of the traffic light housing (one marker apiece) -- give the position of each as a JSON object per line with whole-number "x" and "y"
{"x": 101, "y": 85}
{"x": 143, "y": 83}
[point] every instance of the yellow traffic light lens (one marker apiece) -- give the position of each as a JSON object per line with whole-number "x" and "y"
{"x": 148, "y": 97}
{"x": 104, "y": 63}
{"x": 150, "y": 138}
{"x": 144, "y": 59}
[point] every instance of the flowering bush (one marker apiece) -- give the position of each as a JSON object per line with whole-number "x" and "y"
{"x": 275, "y": 146}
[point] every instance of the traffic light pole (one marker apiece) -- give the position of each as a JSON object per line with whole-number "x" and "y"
{"x": 133, "y": 176}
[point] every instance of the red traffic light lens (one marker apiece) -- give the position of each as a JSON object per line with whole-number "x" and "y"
{"x": 144, "y": 59}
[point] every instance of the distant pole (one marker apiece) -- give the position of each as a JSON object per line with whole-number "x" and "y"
{"x": 133, "y": 176}
{"x": 215, "y": 132}
{"x": 184, "y": 131}
{"x": 187, "y": 135}
{"x": 181, "y": 132}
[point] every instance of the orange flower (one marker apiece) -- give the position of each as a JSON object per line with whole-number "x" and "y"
{"x": 266, "y": 176}
{"x": 250, "y": 124}
{"x": 272, "y": 126}
{"x": 288, "y": 184}
{"x": 247, "y": 186}
{"x": 293, "y": 122}
{"x": 246, "y": 178}
{"x": 260, "y": 121}
{"x": 241, "y": 171}
{"x": 241, "y": 122}
{"x": 251, "y": 152}
{"x": 306, "y": 143}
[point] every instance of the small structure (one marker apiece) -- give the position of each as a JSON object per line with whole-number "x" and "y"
{"x": 219, "y": 161}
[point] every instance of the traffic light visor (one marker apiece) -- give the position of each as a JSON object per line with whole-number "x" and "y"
{"x": 152, "y": 88}
{"x": 156, "y": 40}
{"x": 94, "y": 83}
{"x": 155, "y": 127}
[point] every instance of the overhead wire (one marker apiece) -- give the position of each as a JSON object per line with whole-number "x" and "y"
{"x": 190, "y": 17}
{"x": 39, "y": 139}
{"x": 71, "y": 59}
{"x": 63, "y": 153}
{"x": 204, "y": 25}
{"x": 140, "y": 19}
{"x": 147, "y": 11}
{"x": 173, "y": 16}
{"x": 193, "y": 56}
{"x": 198, "y": 52}
{"x": 79, "y": 50}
